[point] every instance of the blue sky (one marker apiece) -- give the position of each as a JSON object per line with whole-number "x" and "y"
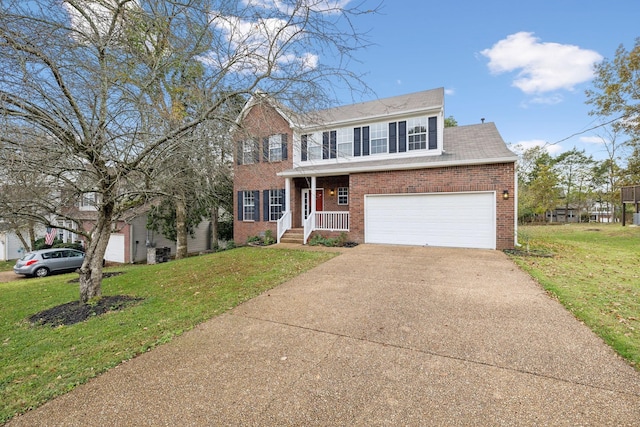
{"x": 523, "y": 65}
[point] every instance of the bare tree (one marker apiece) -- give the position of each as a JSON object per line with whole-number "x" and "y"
{"x": 72, "y": 71}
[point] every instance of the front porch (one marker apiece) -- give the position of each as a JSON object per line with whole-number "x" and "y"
{"x": 314, "y": 204}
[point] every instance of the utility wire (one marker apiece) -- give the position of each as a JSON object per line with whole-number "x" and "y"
{"x": 546, "y": 144}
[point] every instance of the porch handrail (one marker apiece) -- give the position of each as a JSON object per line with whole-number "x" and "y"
{"x": 309, "y": 226}
{"x": 332, "y": 220}
{"x": 284, "y": 224}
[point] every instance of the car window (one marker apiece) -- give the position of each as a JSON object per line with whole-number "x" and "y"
{"x": 47, "y": 255}
{"x": 74, "y": 254}
{"x": 28, "y": 256}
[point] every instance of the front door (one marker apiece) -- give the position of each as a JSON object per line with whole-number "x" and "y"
{"x": 306, "y": 202}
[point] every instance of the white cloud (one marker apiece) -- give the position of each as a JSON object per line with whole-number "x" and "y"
{"x": 598, "y": 140}
{"x": 255, "y": 45}
{"x": 522, "y": 146}
{"x": 322, "y": 6}
{"x": 449, "y": 91}
{"x": 542, "y": 66}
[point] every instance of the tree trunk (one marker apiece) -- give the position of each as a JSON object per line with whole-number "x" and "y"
{"x": 26, "y": 246}
{"x": 181, "y": 228}
{"x": 214, "y": 228}
{"x": 91, "y": 270}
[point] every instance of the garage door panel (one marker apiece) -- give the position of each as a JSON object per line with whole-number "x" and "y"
{"x": 448, "y": 219}
{"x": 115, "y": 248}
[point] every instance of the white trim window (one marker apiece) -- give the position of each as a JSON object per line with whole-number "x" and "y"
{"x": 344, "y": 137}
{"x": 248, "y": 152}
{"x": 314, "y": 147}
{"x": 276, "y": 204}
{"x": 248, "y": 206}
{"x": 343, "y": 195}
{"x": 88, "y": 201}
{"x": 275, "y": 148}
{"x": 378, "y": 138}
{"x": 417, "y": 133}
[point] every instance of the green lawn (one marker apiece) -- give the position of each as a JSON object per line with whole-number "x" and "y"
{"x": 595, "y": 274}
{"x": 38, "y": 363}
{"x": 7, "y": 265}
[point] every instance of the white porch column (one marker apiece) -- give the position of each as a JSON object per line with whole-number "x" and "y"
{"x": 312, "y": 196}
{"x": 287, "y": 194}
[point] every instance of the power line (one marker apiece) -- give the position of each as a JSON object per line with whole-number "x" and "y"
{"x": 546, "y": 144}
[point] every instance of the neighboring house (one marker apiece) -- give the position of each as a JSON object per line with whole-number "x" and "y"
{"x": 130, "y": 238}
{"x": 11, "y": 246}
{"x": 385, "y": 171}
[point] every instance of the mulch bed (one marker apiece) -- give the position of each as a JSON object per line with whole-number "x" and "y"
{"x": 75, "y": 312}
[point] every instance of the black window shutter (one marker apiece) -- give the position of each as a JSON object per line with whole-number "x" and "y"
{"x": 333, "y": 144}
{"x": 392, "y": 137}
{"x": 365, "y": 140}
{"x": 325, "y": 145}
{"x": 265, "y": 149}
{"x": 303, "y": 147}
{"x": 239, "y": 153}
{"x": 256, "y": 150}
{"x": 256, "y": 205}
{"x": 357, "y": 145}
{"x": 433, "y": 133}
{"x": 265, "y": 205}
{"x": 240, "y": 206}
{"x": 284, "y": 147}
{"x": 402, "y": 137}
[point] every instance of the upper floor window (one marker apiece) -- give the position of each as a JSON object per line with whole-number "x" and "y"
{"x": 345, "y": 142}
{"x": 378, "y": 138}
{"x": 311, "y": 147}
{"x": 88, "y": 201}
{"x": 275, "y": 148}
{"x": 417, "y": 133}
{"x": 247, "y": 152}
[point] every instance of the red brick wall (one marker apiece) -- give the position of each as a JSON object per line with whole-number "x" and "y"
{"x": 495, "y": 177}
{"x": 261, "y": 121}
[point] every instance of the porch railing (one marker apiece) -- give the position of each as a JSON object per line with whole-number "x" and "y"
{"x": 309, "y": 226}
{"x": 284, "y": 223}
{"x": 332, "y": 221}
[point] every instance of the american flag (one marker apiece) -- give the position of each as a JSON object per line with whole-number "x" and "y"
{"x": 50, "y": 236}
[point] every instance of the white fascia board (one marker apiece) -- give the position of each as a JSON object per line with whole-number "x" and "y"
{"x": 384, "y": 168}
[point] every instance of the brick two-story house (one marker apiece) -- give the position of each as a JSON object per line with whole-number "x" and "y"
{"x": 384, "y": 171}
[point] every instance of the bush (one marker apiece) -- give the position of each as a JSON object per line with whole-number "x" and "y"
{"x": 225, "y": 229}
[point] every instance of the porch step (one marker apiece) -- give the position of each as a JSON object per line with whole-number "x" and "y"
{"x": 293, "y": 235}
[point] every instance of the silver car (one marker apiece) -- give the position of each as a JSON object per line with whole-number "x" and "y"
{"x": 46, "y": 261}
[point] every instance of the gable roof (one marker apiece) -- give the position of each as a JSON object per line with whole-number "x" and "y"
{"x": 432, "y": 99}
{"x": 463, "y": 145}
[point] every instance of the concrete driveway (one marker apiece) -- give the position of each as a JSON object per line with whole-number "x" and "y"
{"x": 381, "y": 335}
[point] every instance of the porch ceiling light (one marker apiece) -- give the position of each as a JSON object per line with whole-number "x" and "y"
{"x": 505, "y": 194}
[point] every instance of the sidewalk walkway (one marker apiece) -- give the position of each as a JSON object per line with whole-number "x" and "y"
{"x": 380, "y": 335}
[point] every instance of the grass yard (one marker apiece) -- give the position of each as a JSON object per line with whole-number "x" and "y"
{"x": 7, "y": 265}
{"x": 595, "y": 274}
{"x": 41, "y": 362}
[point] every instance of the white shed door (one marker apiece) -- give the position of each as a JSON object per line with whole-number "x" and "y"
{"x": 115, "y": 248}
{"x": 463, "y": 220}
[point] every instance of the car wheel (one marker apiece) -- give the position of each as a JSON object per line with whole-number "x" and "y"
{"x": 41, "y": 272}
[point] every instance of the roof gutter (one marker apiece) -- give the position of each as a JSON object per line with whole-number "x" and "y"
{"x": 308, "y": 170}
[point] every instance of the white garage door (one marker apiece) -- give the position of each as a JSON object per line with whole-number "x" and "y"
{"x": 464, "y": 220}
{"x": 115, "y": 248}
